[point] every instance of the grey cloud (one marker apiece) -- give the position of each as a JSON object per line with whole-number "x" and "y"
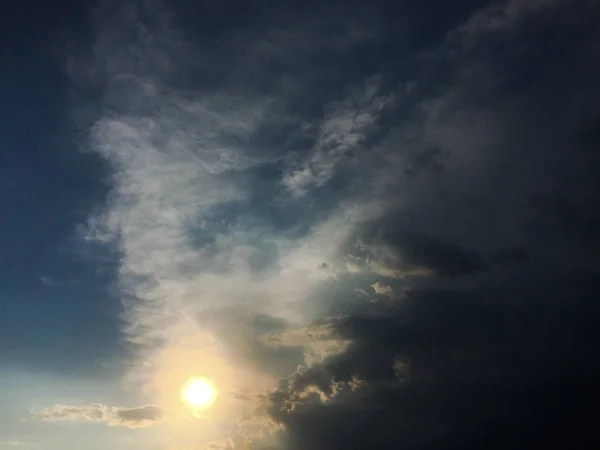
{"x": 137, "y": 417}
{"x": 317, "y": 342}
{"x": 443, "y": 258}
{"x": 502, "y": 16}
{"x": 429, "y": 160}
{"x": 243, "y": 329}
{"x": 91, "y": 413}
{"x": 397, "y": 253}
{"x": 513, "y": 255}
{"x": 478, "y": 135}
{"x": 493, "y": 361}
{"x": 343, "y": 129}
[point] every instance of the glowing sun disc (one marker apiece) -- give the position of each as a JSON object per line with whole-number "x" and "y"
{"x": 199, "y": 392}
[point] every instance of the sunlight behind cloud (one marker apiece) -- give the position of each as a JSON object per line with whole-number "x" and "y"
{"x": 272, "y": 240}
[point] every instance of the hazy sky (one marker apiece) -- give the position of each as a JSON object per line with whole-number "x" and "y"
{"x": 369, "y": 224}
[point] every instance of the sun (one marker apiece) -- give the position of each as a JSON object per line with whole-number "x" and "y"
{"x": 199, "y": 393}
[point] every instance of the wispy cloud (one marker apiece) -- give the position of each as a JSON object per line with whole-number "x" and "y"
{"x": 346, "y": 125}
{"x": 53, "y": 282}
{"x": 180, "y": 215}
{"x": 501, "y": 16}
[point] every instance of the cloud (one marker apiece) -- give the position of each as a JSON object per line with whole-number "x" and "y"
{"x": 503, "y": 16}
{"x": 514, "y": 255}
{"x": 52, "y": 282}
{"x": 345, "y": 128}
{"x": 269, "y": 212}
{"x": 16, "y": 444}
{"x": 49, "y": 281}
{"x": 139, "y": 417}
{"x": 449, "y": 368}
{"x": 202, "y": 273}
{"x": 485, "y": 339}
{"x": 317, "y": 341}
{"x": 442, "y": 258}
{"x": 381, "y": 288}
{"x": 91, "y": 413}
{"x": 397, "y": 254}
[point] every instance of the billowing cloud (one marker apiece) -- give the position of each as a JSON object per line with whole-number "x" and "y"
{"x": 381, "y": 288}
{"x": 138, "y": 417}
{"x": 448, "y": 367}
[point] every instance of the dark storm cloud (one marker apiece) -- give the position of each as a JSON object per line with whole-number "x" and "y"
{"x": 574, "y": 210}
{"x": 514, "y": 255}
{"x": 443, "y": 258}
{"x": 505, "y": 366}
{"x": 494, "y": 346}
{"x": 405, "y": 251}
{"x": 430, "y": 159}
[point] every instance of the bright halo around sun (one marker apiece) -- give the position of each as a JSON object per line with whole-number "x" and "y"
{"x": 199, "y": 393}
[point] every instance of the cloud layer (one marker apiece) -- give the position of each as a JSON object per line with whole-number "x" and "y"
{"x": 359, "y": 255}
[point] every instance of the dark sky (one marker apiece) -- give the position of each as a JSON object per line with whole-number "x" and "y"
{"x": 370, "y": 225}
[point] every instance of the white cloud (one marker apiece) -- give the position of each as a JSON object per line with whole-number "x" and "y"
{"x": 176, "y": 158}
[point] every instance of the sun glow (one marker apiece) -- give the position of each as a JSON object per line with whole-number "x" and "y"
{"x": 199, "y": 393}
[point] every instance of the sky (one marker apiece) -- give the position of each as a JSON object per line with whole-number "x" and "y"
{"x": 367, "y": 225}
